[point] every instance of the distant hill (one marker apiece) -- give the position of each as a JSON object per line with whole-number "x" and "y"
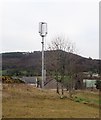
{"x": 29, "y": 64}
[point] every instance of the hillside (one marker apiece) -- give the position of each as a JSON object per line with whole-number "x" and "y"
{"x": 29, "y": 64}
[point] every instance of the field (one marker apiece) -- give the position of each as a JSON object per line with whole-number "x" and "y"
{"x": 25, "y": 101}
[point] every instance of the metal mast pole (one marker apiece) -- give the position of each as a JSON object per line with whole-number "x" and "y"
{"x": 43, "y": 32}
{"x": 42, "y": 62}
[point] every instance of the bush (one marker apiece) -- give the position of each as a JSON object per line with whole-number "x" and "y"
{"x": 98, "y": 84}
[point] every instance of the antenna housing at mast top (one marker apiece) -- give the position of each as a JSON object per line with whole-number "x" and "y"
{"x": 43, "y": 29}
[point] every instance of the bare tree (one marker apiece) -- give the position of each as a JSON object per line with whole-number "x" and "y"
{"x": 60, "y": 47}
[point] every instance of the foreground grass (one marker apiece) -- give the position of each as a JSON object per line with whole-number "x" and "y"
{"x": 24, "y": 101}
{"x": 88, "y": 97}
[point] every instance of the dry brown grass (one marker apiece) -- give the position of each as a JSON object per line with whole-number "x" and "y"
{"x": 24, "y": 101}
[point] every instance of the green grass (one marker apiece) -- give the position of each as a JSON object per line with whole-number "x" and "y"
{"x": 24, "y": 101}
{"x": 88, "y": 97}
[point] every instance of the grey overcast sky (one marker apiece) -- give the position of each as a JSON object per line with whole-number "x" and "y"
{"x": 76, "y": 20}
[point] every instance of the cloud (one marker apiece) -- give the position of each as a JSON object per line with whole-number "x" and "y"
{"x": 75, "y": 19}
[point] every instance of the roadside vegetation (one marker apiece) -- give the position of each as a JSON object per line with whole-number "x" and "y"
{"x": 10, "y": 80}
